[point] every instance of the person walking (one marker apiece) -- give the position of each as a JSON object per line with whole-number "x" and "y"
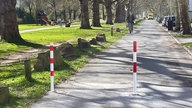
{"x": 130, "y": 21}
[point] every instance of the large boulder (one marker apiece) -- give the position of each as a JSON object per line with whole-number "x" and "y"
{"x": 93, "y": 41}
{"x": 101, "y": 38}
{"x": 4, "y": 94}
{"x": 82, "y": 43}
{"x": 43, "y": 61}
{"x": 66, "y": 50}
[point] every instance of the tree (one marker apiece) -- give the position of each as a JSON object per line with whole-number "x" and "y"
{"x": 103, "y": 12}
{"x": 84, "y": 15}
{"x": 185, "y": 16}
{"x": 108, "y": 6}
{"x": 178, "y": 24}
{"x": 8, "y": 21}
{"x": 120, "y": 11}
{"x": 29, "y": 4}
{"x": 52, "y": 3}
{"x": 96, "y": 18}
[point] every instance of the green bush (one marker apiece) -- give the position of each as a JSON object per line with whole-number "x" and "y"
{"x": 191, "y": 21}
{"x": 24, "y": 17}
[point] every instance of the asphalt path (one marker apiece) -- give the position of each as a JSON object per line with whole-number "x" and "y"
{"x": 164, "y": 76}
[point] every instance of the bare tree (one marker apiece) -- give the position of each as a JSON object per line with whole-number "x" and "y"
{"x": 52, "y": 3}
{"x": 178, "y": 24}
{"x": 84, "y": 15}
{"x": 108, "y": 6}
{"x": 8, "y": 21}
{"x": 28, "y": 4}
{"x": 185, "y": 16}
{"x": 96, "y": 18}
{"x": 120, "y": 11}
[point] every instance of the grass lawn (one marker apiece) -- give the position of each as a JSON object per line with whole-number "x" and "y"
{"x": 45, "y": 37}
{"x": 30, "y": 26}
{"x": 62, "y": 34}
{"x": 24, "y": 92}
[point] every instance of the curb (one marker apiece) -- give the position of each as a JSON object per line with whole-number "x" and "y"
{"x": 178, "y": 42}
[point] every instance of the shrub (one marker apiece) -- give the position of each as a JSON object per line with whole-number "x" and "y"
{"x": 24, "y": 17}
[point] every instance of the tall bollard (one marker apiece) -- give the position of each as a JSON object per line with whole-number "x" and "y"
{"x": 134, "y": 67}
{"x": 51, "y": 67}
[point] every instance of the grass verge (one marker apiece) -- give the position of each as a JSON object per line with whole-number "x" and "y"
{"x": 30, "y": 26}
{"x": 183, "y": 36}
{"x": 24, "y": 92}
{"x": 188, "y": 44}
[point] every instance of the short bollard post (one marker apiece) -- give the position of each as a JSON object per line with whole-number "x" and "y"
{"x": 112, "y": 27}
{"x": 134, "y": 67}
{"x": 27, "y": 65}
{"x": 51, "y": 67}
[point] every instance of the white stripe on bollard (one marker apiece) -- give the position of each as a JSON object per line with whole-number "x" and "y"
{"x": 51, "y": 67}
{"x": 134, "y": 56}
{"x": 51, "y": 54}
{"x": 52, "y": 83}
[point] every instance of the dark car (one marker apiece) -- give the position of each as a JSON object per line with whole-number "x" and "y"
{"x": 171, "y": 18}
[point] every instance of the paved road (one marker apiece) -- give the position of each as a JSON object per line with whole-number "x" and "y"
{"x": 164, "y": 76}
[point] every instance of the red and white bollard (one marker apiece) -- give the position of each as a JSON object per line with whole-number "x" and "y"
{"x": 51, "y": 67}
{"x": 134, "y": 67}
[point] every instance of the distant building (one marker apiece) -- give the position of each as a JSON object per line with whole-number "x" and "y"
{"x": 190, "y": 9}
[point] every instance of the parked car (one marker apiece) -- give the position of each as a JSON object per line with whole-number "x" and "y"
{"x": 168, "y": 18}
{"x": 173, "y": 19}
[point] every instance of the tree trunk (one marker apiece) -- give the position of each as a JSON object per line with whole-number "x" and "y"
{"x": 74, "y": 14}
{"x": 178, "y": 24}
{"x": 185, "y": 16}
{"x": 8, "y": 22}
{"x": 130, "y": 6}
{"x": 120, "y": 12}
{"x": 55, "y": 10}
{"x": 64, "y": 15}
{"x": 70, "y": 14}
{"x": 108, "y": 4}
{"x": 84, "y": 15}
{"x": 96, "y": 19}
{"x": 30, "y": 10}
{"x": 103, "y": 12}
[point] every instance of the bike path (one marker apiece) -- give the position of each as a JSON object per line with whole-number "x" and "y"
{"x": 164, "y": 76}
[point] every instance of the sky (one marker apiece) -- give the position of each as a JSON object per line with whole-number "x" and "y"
{"x": 190, "y": 5}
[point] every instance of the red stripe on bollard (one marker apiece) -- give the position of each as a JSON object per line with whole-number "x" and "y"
{"x": 51, "y": 60}
{"x": 51, "y": 48}
{"x": 134, "y": 67}
{"x": 134, "y": 46}
{"x": 52, "y": 73}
